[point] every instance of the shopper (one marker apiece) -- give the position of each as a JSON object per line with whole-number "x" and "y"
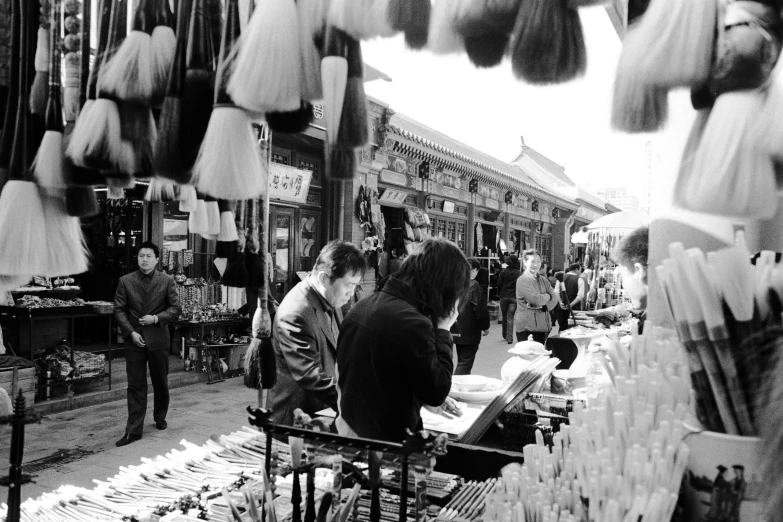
{"x": 562, "y": 310}
{"x": 535, "y": 297}
{"x": 575, "y": 290}
{"x": 507, "y": 290}
{"x": 631, "y": 257}
{"x": 305, "y": 332}
{"x": 145, "y": 302}
{"x": 395, "y": 347}
{"x": 472, "y": 323}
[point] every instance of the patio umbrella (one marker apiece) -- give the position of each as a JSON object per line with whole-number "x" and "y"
{"x": 629, "y": 219}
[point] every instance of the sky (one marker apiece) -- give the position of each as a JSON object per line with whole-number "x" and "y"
{"x": 490, "y": 109}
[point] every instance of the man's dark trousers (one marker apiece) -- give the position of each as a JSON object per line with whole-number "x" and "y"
{"x": 135, "y": 362}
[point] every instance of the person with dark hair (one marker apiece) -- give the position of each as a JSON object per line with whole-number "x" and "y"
{"x": 507, "y": 291}
{"x": 145, "y": 302}
{"x": 563, "y": 310}
{"x": 575, "y": 290}
{"x": 472, "y": 322}
{"x": 631, "y": 258}
{"x": 535, "y": 297}
{"x": 395, "y": 347}
{"x": 305, "y": 332}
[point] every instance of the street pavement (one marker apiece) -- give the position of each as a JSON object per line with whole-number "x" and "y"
{"x": 77, "y": 446}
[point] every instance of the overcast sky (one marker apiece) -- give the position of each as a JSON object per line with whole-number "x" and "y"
{"x": 489, "y": 109}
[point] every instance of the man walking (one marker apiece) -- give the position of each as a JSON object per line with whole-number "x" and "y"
{"x": 305, "y": 333}
{"x": 145, "y": 302}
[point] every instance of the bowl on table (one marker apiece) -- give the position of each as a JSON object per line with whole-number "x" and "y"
{"x": 475, "y": 388}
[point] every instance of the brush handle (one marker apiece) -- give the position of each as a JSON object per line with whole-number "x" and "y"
{"x": 201, "y": 49}
{"x": 7, "y": 134}
{"x": 117, "y": 31}
{"x": 162, "y": 14}
{"x": 20, "y": 152}
{"x": 718, "y": 385}
{"x": 54, "y": 105}
{"x": 231, "y": 32}
{"x": 85, "y": 51}
{"x": 177, "y": 76}
{"x": 144, "y": 18}
{"x": 104, "y": 24}
{"x": 335, "y": 42}
{"x": 354, "y": 56}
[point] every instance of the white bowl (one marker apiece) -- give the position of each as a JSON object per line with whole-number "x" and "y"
{"x": 469, "y": 383}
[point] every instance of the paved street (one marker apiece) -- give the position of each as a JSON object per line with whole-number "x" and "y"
{"x": 77, "y": 446}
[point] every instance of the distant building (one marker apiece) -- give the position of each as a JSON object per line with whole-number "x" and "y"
{"x": 619, "y": 197}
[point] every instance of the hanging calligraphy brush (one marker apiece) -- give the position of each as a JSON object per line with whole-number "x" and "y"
{"x": 228, "y": 231}
{"x": 11, "y": 107}
{"x": 334, "y": 75}
{"x": 442, "y": 37}
{"x": 411, "y": 17}
{"x": 354, "y": 129}
{"x": 229, "y": 163}
{"x": 253, "y": 240}
{"x": 362, "y": 19}
{"x": 164, "y": 46}
{"x": 240, "y": 216}
{"x": 267, "y": 71}
{"x": 689, "y": 152}
{"x": 198, "y": 89}
{"x": 160, "y": 189}
{"x": 291, "y": 122}
{"x": 255, "y": 269}
{"x": 48, "y": 164}
{"x": 547, "y": 44}
{"x": 187, "y": 198}
{"x": 485, "y": 27}
{"x": 22, "y": 248}
{"x": 198, "y": 221}
{"x": 311, "y": 15}
{"x": 67, "y": 251}
{"x": 168, "y": 149}
{"x": 39, "y": 93}
{"x": 128, "y": 75}
{"x": 72, "y": 80}
{"x": 213, "y": 218}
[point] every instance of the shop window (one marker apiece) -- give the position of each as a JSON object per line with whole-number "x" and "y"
{"x": 441, "y": 228}
{"x": 461, "y": 227}
{"x": 281, "y": 157}
{"x": 312, "y": 166}
{"x": 451, "y": 231}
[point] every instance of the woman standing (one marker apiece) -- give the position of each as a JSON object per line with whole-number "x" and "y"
{"x": 535, "y": 297}
{"x": 507, "y": 291}
{"x": 472, "y": 323}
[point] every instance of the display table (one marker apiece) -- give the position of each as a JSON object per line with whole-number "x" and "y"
{"x": 34, "y": 315}
{"x": 205, "y": 349}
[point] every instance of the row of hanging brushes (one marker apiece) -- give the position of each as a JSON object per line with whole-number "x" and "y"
{"x": 722, "y": 305}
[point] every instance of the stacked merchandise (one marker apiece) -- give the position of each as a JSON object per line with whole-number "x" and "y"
{"x": 207, "y": 301}
{"x": 417, "y": 228}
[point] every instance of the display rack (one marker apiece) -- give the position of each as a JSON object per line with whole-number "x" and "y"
{"x": 203, "y": 347}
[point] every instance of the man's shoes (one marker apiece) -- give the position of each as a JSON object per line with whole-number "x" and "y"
{"x": 161, "y": 425}
{"x": 127, "y": 439}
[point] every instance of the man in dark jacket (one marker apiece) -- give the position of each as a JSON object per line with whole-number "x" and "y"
{"x": 395, "y": 348}
{"x": 305, "y": 332}
{"x": 145, "y": 302}
{"x": 575, "y": 287}
{"x": 507, "y": 290}
{"x": 472, "y": 323}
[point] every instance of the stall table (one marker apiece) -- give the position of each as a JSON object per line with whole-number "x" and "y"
{"x": 212, "y": 348}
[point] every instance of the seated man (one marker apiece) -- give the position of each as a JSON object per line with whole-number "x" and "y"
{"x": 631, "y": 258}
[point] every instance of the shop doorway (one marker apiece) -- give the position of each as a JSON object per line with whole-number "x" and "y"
{"x": 294, "y": 243}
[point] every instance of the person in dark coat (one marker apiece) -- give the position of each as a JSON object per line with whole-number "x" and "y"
{"x": 305, "y": 332}
{"x": 395, "y": 348}
{"x": 507, "y": 291}
{"x": 472, "y": 323}
{"x": 145, "y": 302}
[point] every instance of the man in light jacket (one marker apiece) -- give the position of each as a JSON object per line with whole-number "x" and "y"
{"x": 535, "y": 297}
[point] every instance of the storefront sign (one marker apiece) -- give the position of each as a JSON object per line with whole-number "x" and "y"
{"x": 448, "y": 206}
{"x": 491, "y": 203}
{"x": 288, "y": 183}
{"x": 395, "y": 178}
{"x": 452, "y": 192}
{"x": 394, "y": 197}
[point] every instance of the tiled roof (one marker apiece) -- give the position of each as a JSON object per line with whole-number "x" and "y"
{"x": 447, "y": 146}
{"x": 553, "y": 168}
{"x": 590, "y": 198}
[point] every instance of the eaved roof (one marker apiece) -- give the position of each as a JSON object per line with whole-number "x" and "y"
{"x": 417, "y": 132}
{"x": 590, "y": 199}
{"x": 551, "y": 167}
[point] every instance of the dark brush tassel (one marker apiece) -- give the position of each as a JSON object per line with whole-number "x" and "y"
{"x": 226, "y": 249}
{"x": 268, "y": 364}
{"x": 354, "y": 130}
{"x": 252, "y": 377}
{"x": 340, "y": 162}
{"x": 325, "y": 507}
{"x": 291, "y": 122}
{"x": 81, "y": 202}
{"x": 236, "y": 272}
{"x": 548, "y": 45}
{"x": 486, "y": 50}
{"x": 413, "y": 18}
{"x": 255, "y": 270}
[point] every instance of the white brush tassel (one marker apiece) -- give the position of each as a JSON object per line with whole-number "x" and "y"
{"x": 160, "y": 189}
{"x": 267, "y": 71}
{"x": 312, "y": 17}
{"x": 228, "y": 230}
{"x": 42, "y": 51}
{"x": 676, "y": 40}
{"x": 198, "y": 222}
{"x": 79, "y": 129}
{"x": 22, "y": 244}
{"x": 128, "y": 74}
{"x": 67, "y": 252}
{"x": 732, "y": 175}
{"x": 164, "y": 43}
{"x": 188, "y": 199}
{"x": 770, "y": 132}
{"x": 378, "y": 23}
{"x": 686, "y": 163}
{"x": 334, "y": 74}
{"x": 442, "y": 38}
{"x": 362, "y": 19}
{"x": 213, "y": 218}
{"x": 229, "y": 162}
{"x": 115, "y": 193}
{"x": 48, "y": 165}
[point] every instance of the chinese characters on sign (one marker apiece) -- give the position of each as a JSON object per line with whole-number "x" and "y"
{"x": 288, "y": 183}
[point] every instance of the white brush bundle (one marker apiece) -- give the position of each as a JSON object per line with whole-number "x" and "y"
{"x": 228, "y": 230}
{"x": 362, "y": 19}
{"x": 229, "y": 164}
{"x": 731, "y": 174}
{"x": 22, "y": 246}
{"x": 164, "y": 43}
{"x": 267, "y": 71}
{"x": 100, "y": 136}
{"x": 160, "y": 189}
{"x": 213, "y": 218}
{"x": 311, "y": 15}
{"x": 769, "y": 130}
{"x": 48, "y": 164}
{"x": 128, "y": 75}
{"x": 188, "y": 199}
{"x": 675, "y": 40}
{"x": 689, "y": 152}
{"x": 66, "y": 249}
{"x": 334, "y": 74}
{"x": 442, "y": 37}
{"x": 198, "y": 221}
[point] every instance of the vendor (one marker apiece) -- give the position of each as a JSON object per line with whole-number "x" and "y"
{"x": 535, "y": 297}
{"x": 395, "y": 350}
{"x": 631, "y": 258}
